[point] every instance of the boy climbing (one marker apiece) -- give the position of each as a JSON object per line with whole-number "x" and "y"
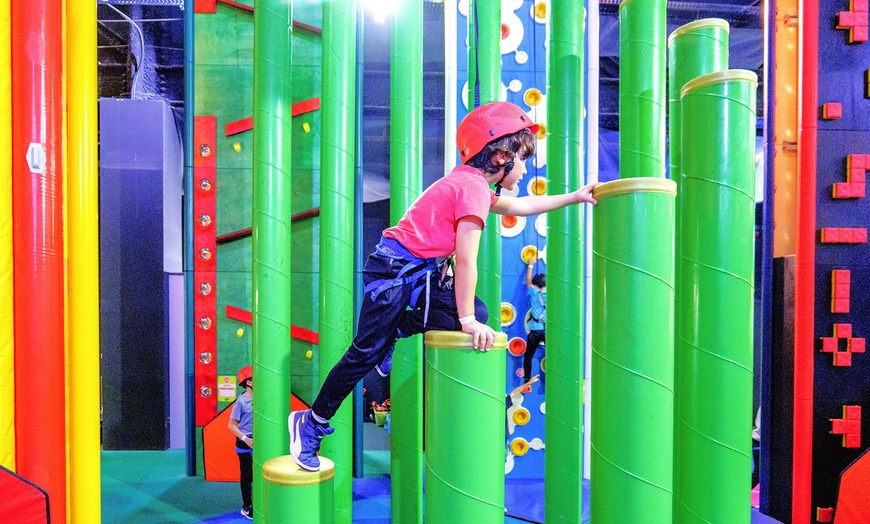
{"x": 408, "y": 269}
{"x": 537, "y": 288}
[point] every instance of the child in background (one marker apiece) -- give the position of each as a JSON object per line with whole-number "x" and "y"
{"x": 408, "y": 266}
{"x": 242, "y": 427}
{"x": 537, "y": 323}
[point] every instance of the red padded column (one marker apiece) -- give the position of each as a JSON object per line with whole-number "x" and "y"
{"x": 37, "y": 238}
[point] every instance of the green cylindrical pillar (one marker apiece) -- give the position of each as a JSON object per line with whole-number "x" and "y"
{"x": 632, "y": 351}
{"x": 337, "y": 135}
{"x": 486, "y": 37}
{"x": 716, "y": 306}
{"x": 642, "y": 58}
{"x": 695, "y": 49}
{"x": 312, "y": 493}
{"x": 563, "y": 471}
{"x": 406, "y": 184}
{"x": 271, "y": 234}
{"x": 465, "y": 427}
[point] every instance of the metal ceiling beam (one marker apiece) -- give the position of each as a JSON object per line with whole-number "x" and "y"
{"x": 738, "y": 15}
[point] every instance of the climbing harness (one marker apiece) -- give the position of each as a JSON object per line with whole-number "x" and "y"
{"x": 414, "y": 269}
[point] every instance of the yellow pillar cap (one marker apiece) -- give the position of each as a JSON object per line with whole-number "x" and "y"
{"x": 459, "y": 340}
{"x": 284, "y": 472}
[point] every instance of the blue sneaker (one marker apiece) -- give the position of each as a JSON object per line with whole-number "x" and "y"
{"x": 305, "y": 437}
{"x": 386, "y": 365}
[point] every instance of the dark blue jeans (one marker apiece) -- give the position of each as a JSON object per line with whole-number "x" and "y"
{"x": 536, "y": 336}
{"x": 246, "y": 476}
{"x": 384, "y": 320}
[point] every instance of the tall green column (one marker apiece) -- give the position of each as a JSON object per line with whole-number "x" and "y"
{"x": 465, "y": 421}
{"x": 271, "y": 235}
{"x": 406, "y": 184}
{"x": 716, "y": 306}
{"x": 337, "y": 198}
{"x": 563, "y": 472}
{"x": 486, "y": 38}
{"x": 632, "y": 351}
{"x": 642, "y": 59}
{"x": 695, "y": 49}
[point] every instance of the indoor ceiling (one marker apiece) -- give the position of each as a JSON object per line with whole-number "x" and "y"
{"x": 160, "y": 23}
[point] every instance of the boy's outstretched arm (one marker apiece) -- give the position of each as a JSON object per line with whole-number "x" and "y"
{"x": 465, "y": 281}
{"x": 535, "y": 204}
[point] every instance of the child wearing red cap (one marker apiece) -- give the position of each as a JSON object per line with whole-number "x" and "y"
{"x": 408, "y": 269}
{"x": 241, "y": 425}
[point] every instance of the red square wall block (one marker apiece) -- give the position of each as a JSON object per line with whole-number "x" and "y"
{"x": 856, "y": 345}
{"x": 857, "y": 175}
{"x": 832, "y": 110}
{"x": 841, "y": 276}
{"x": 859, "y": 6}
{"x": 842, "y": 359}
{"x": 845, "y": 20}
{"x": 843, "y": 330}
{"x": 858, "y": 34}
{"x": 852, "y": 412}
{"x": 840, "y": 291}
{"x": 855, "y": 161}
{"x": 841, "y": 426}
{"x": 841, "y": 190}
{"x": 858, "y": 190}
{"x": 860, "y": 18}
{"x": 829, "y": 345}
{"x": 852, "y": 440}
{"x": 840, "y": 305}
{"x": 824, "y": 514}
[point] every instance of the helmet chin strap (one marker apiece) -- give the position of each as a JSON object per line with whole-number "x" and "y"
{"x": 508, "y": 167}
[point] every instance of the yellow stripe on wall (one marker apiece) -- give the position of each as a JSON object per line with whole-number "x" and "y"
{"x": 785, "y": 125}
{"x": 7, "y": 335}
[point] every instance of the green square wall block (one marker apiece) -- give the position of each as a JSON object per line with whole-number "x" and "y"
{"x": 235, "y": 256}
{"x": 306, "y": 247}
{"x": 234, "y": 200}
{"x": 224, "y": 91}
{"x": 224, "y": 38}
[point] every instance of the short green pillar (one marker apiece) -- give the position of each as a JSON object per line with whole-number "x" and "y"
{"x": 292, "y": 495}
{"x": 465, "y": 421}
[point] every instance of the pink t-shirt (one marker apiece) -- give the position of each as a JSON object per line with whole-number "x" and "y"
{"x": 428, "y": 228}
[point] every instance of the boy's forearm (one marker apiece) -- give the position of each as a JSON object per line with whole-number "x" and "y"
{"x": 465, "y": 281}
{"x": 536, "y": 204}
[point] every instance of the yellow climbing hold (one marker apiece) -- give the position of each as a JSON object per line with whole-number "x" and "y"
{"x": 532, "y": 96}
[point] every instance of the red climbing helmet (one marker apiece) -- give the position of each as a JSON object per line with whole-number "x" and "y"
{"x": 245, "y": 373}
{"x": 487, "y": 123}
